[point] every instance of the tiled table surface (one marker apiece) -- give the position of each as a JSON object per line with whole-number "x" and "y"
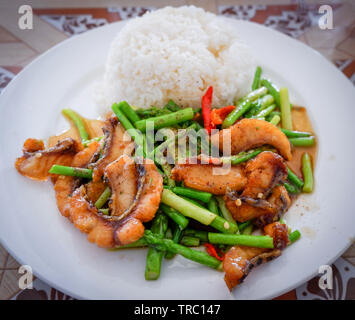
{"x": 58, "y": 20}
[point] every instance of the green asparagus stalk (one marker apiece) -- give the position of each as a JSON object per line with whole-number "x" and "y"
{"x": 137, "y": 244}
{"x": 248, "y": 230}
{"x": 202, "y": 235}
{"x": 176, "y": 239}
{"x": 154, "y": 256}
{"x": 243, "y": 107}
{"x": 137, "y": 136}
{"x": 191, "y": 193}
{"x": 202, "y": 215}
{"x": 256, "y": 81}
{"x": 272, "y": 90}
{"x": 257, "y": 93}
{"x": 72, "y": 115}
{"x": 241, "y": 157}
{"x": 212, "y": 206}
{"x": 222, "y": 207}
{"x": 128, "y": 111}
{"x": 100, "y": 202}
{"x": 291, "y": 188}
{"x": 286, "y": 117}
{"x": 294, "y": 235}
{"x": 292, "y": 177}
{"x": 87, "y": 142}
{"x": 174, "y": 215}
{"x": 171, "y": 246}
{"x": 243, "y": 225}
{"x": 307, "y": 173}
{"x": 242, "y": 240}
{"x": 303, "y": 141}
{"x": 71, "y": 171}
{"x": 295, "y": 134}
{"x": 190, "y": 241}
{"x": 265, "y": 112}
{"x": 275, "y": 120}
{"x": 167, "y": 120}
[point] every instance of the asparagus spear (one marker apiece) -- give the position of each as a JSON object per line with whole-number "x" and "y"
{"x": 202, "y": 215}
{"x": 71, "y": 171}
{"x": 176, "y": 239}
{"x": 295, "y": 134}
{"x": 243, "y": 225}
{"x": 135, "y": 134}
{"x": 260, "y": 105}
{"x": 256, "y": 81}
{"x": 307, "y": 173}
{"x": 167, "y": 120}
{"x": 291, "y": 188}
{"x": 294, "y": 235}
{"x": 171, "y": 246}
{"x": 286, "y": 118}
{"x": 128, "y": 111}
{"x": 190, "y": 241}
{"x": 243, "y": 240}
{"x": 137, "y": 244}
{"x": 103, "y": 198}
{"x": 222, "y": 207}
{"x": 265, "y": 112}
{"x": 272, "y": 90}
{"x": 294, "y": 178}
{"x": 275, "y": 120}
{"x": 202, "y": 235}
{"x": 154, "y": 256}
{"x": 72, "y": 115}
{"x": 176, "y": 216}
{"x": 303, "y": 141}
{"x": 241, "y": 157}
{"x": 212, "y": 206}
{"x": 191, "y": 193}
{"x": 242, "y": 108}
{"x": 87, "y": 142}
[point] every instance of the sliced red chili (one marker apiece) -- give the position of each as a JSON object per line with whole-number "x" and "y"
{"x": 206, "y": 104}
{"x": 218, "y": 115}
{"x": 214, "y": 252}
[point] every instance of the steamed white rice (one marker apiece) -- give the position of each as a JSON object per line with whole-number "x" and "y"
{"x": 176, "y": 53}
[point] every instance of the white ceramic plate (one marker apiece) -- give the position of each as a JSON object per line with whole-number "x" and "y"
{"x": 36, "y": 234}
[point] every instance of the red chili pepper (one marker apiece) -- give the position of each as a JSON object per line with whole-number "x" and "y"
{"x": 214, "y": 252}
{"x": 206, "y": 104}
{"x": 218, "y": 115}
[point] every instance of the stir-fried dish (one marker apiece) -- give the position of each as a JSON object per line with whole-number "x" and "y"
{"x": 215, "y": 178}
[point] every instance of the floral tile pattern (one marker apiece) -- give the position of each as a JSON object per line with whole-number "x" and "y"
{"x": 243, "y": 12}
{"x": 130, "y": 12}
{"x": 343, "y": 284}
{"x": 73, "y": 24}
{"x": 294, "y": 18}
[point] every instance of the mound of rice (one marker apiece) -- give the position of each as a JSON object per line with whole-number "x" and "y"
{"x": 176, "y": 53}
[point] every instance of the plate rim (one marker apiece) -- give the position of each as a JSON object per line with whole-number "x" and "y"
{"x": 14, "y": 81}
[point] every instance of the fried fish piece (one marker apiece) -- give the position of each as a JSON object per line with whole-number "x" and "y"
{"x": 250, "y": 133}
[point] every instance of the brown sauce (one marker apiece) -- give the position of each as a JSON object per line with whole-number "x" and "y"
{"x": 93, "y": 127}
{"x": 301, "y": 122}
